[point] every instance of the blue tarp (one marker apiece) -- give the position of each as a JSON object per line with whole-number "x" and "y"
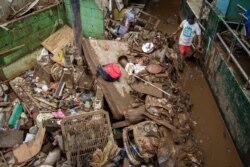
{"x": 248, "y": 22}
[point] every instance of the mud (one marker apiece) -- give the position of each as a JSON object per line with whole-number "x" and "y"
{"x": 167, "y": 11}
{"x": 210, "y": 130}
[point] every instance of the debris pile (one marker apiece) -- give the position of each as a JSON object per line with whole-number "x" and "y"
{"x": 133, "y": 111}
{"x": 12, "y": 9}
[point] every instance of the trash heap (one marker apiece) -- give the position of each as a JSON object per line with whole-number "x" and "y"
{"x": 15, "y": 9}
{"x": 57, "y": 115}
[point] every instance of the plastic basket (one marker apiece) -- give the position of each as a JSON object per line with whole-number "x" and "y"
{"x": 83, "y": 134}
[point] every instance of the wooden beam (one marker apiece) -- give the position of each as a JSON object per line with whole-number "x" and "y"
{"x": 11, "y": 49}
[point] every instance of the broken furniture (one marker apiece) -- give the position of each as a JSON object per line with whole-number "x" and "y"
{"x": 145, "y": 137}
{"x": 147, "y": 20}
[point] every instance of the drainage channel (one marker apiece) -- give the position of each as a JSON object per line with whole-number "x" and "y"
{"x": 210, "y": 130}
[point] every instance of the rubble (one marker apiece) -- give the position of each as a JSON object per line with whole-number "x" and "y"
{"x": 15, "y": 9}
{"x": 68, "y": 116}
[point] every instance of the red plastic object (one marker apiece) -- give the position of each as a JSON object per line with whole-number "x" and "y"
{"x": 113, "y": 70}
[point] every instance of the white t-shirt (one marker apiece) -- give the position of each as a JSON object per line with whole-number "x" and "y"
{"x": 188, "y": 33}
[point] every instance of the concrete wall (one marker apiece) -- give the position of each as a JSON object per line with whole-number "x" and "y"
{"x": 91, "y": 18}
{"x": 30, "y": 31}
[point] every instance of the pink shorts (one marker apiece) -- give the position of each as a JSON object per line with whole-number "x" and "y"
{"x": 184, "y": 49}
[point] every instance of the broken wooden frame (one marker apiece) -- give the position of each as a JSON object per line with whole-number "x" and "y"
{"x": 149, "y": 21}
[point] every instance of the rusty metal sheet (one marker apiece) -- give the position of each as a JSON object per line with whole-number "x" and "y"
{"x": 116, "y": 93}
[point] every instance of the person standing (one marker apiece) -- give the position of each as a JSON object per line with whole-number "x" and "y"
{"x": 189, "y": 29}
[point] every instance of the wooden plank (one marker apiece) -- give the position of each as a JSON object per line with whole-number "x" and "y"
{"x": 54, "y": 105}
{"x": 120, "y": 124}
{"x": 28, "y": 150}
{"x": 19, "y": 86}
{"x": 11, "y": 49}
{"x": 57, "y": 41}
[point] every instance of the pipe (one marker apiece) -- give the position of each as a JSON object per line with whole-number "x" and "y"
{"x": 244, "y": 16}
{"x": 241, "y": 7}
{"x": 209, "y": 4}
{"x": 237, "y": 38}
{"x": 77, "y": 28}
{"x": 233, "y": 58}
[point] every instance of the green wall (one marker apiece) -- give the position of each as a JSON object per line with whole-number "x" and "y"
{"x": 91, "y": 18}
{"x": 30, "y": 30}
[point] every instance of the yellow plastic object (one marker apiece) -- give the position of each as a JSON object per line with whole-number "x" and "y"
{"x": 60, "y": 55}
{"x": 119, "y": 15}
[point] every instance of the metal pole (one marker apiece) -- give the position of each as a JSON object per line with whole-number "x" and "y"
{"x": 244, "y": 16}
{"x": 237, "y": 38}
{"x": 234, "y": 59}
{"x": 77, "y": 28}
{"x": 234, "y": 40}
{"x": 209, "y": 4}
{"x": 147, "y": 82}
{"x": 241, "y": 7}
{"x": 240, "y": 23}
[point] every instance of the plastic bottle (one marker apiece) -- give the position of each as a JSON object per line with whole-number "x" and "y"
{"x": 16, "y": 114}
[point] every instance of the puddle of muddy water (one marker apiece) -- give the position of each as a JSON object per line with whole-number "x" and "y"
{"x": 167, "y": 11}
{"x": 210, "y": 130}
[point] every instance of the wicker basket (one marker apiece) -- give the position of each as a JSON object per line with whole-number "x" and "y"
{"x": 83, "y": 134}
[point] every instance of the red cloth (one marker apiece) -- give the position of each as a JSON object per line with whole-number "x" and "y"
{"x": 113, "y": 70}
{"x": 184, "y": 49}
